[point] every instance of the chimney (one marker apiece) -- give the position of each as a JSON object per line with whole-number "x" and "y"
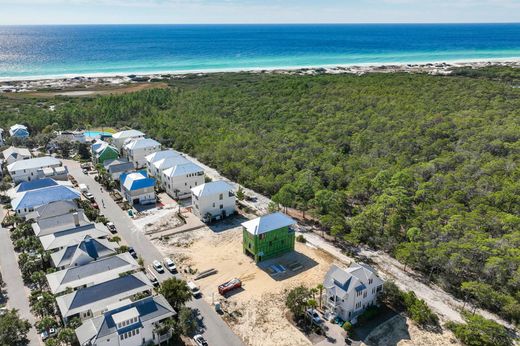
{"x": 76, "y": 219}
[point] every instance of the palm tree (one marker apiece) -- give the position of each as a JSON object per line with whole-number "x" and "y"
{"x": 320, "y": 287}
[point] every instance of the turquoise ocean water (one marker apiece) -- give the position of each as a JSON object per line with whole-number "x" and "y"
{"x": 40, "y": 51}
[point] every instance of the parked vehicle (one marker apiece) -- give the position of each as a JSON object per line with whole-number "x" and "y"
{"x": 170, "y": 265}
{"x": 85, "y": 165}
{"x": 158, "y": 266}
{"x": 229, "y": 286}
{"x": 83, "y": 188}
{"x": 85, "y": 171}
{"x": 316, "y": 319}
{"x": 132, "y": 252}
{"x": 94, "y": 205}
{"x": 111, "y": 227}
{"x": 48, "y": 333}
{"x": 194, "y": 289}
{"x": 151, "y": 276}
{"x": 199, "y": 340}
{"x": 89, "y": 196}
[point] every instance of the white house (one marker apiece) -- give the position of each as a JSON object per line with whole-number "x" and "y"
{"x": 73, "y": 236}
{"x": 37, "y": 168}
{"x": 13, "y": 154}
{"x": 92, "y": 301}
{"x": 137, "y": 188}
{"x": 179, "y": 180}
{"x": 214, "y": 200}
{"x": 349, "y": 291}
{"x": 128, "y": 323}
{"x": 161, "y": 165}
{"x": 136, "y": 150}
{"x": 159, "y": 155}
{"x": 119, "y": 138}
{"x": 86, "y": 251}
{"x": 19, "y": 131}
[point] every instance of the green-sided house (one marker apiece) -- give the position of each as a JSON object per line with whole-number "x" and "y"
{"x": 104, "y": 153}
{"x": 268, "y": 236}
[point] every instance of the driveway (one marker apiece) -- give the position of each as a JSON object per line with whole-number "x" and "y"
{"x": 17, "y": 293}
{"x": 217, "y": 332}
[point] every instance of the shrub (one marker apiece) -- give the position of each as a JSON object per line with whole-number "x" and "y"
{"x": 301, "y": 239}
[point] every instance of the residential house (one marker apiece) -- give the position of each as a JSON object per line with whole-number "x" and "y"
{"x": 213, "y": 200}
{"x": 37, "y": 168}
{"x": 60, "y": 223}
{"x": 86, "y": 251}
{"x": 19, "y": 131}
{"x": 34, "y": 185}
{"x": 180, "y": 179}
{"x": 117, "y": 167}
{"x": 92, "y": 301}
{"x": 138, "y": 188}
{"x": 349, "y": 291}
{"x": 93, "y": 273}
{"x": 70, "y": 136}
{"x": 102, "y": 151}
{"x": 28, "y": 201}
{"x": 59, "y": 240}
{"x": 136, "y": 150}
{"x": 13, "y": 154}
{"x": 159, "y": 155}
{"x": 119, "y": 138}
{"x": 129, "y": 323}
{"x": 52, "y": 209}
{"x": 268, "y": 236}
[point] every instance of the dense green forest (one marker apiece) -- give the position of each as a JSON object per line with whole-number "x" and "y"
{"x": 424, "y": 167}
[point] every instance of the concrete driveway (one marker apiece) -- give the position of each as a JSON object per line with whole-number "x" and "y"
{"x": 216, "y": 331}
{"x": 17, "y": 293}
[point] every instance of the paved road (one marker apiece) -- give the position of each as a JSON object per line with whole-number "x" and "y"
{"x": 17, "y": 293}
{"x": 217, "y": 332}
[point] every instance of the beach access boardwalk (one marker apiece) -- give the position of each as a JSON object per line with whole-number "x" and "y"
{"x": 17, "y": 293}
{"x": 216, "y": 331}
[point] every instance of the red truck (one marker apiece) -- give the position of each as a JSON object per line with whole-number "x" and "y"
{"x": 229, "y": 286}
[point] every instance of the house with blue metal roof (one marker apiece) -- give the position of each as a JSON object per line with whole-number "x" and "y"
{"x": 129, "y": 323}
{"x": 19, "y": 131}
{"x": 35, "y": 185}
{"x": 349, "y": 291}
{"x": 27, "y": 201}
{"x": 138, "y": 188}
{"x": 92, "y": 301}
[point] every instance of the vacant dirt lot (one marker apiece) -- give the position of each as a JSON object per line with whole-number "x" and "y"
{"x": 258, "y": 312}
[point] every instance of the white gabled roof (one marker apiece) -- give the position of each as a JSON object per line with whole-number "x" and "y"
{"x": 140, "y": 143}
{"x": 37, "y": 162}
{"x": 163, "y": 154}
{"x": 14, "y": 151}
{"x": 169, "y": 162}
{"x": 127, "y": 134}
{"x": 212, "y": 188}
{"x": 182, "y": 169}
{"x": 267, "y": 223}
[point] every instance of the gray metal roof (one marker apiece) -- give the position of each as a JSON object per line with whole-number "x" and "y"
{"x": 86, "y": 251}
{"x": 74, "y": 236}
{"x": 60, "y": 223}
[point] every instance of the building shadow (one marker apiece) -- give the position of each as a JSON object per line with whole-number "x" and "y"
{"x": 288, "y": 265}
{"x": 233, "y": 292}
{"x": 226, "y": 224}
{"x": 145, "y": 207}
{"x": 387, "y": 329}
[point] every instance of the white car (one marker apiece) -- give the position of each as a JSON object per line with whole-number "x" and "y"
{"x": 48, "y": 333}
{"x": 170, "y": 265}
{"x": 193, "y": 288}
{"x": 158, "y": 266}
{"x": 199, "y": 340}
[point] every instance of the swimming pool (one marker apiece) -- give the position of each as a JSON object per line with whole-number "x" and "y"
{"x": 94, "y": 134}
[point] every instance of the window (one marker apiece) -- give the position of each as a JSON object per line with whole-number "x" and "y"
{"x": 358, "y": 293}
{"x": 370, "y": 281}
{"x": 213, "y": 205}
{"x": 365, "y": 294}
{"x": 221, "y": 197}
{"x": 261, "y": 236}
{"x": 358, "y": 305}
{"x": 221, "y": 206}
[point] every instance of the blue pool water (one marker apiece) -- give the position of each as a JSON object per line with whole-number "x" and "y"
{"x": 123, "y": 49}
{"x": 94, "y": 134}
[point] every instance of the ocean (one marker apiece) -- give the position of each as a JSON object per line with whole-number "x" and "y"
{"x": 81, "y": 50}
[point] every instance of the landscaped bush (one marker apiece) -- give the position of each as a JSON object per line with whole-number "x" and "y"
{"x": 300, "y": 238}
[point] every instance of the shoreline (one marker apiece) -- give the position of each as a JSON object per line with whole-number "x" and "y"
{"x": 83, "y": 81}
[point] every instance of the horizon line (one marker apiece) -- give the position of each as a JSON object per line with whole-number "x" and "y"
{"x": 260, "y": 23}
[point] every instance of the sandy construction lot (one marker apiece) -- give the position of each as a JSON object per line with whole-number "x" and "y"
{"x": 257, "y": 312}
